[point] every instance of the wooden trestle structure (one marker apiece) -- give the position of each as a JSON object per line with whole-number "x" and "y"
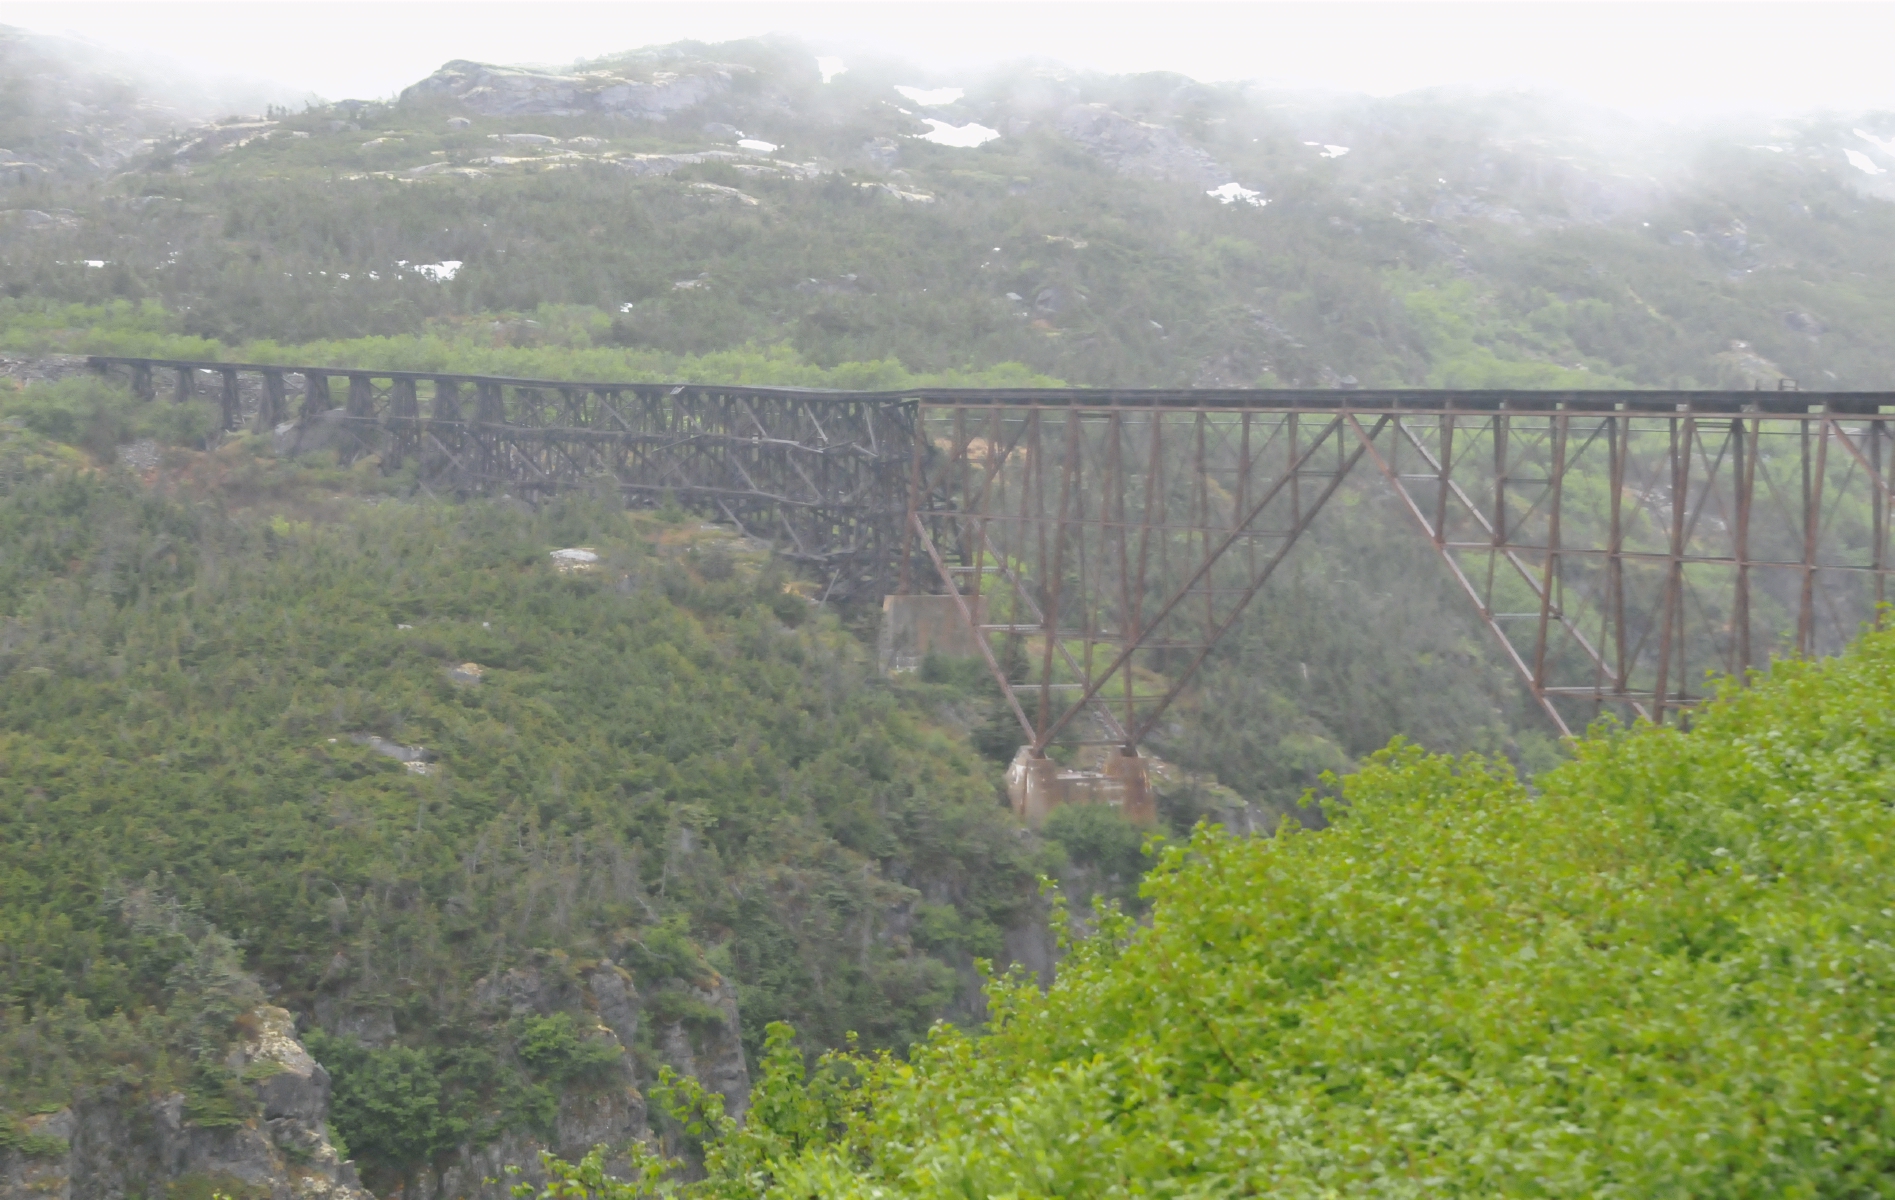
{"x": 1095, "y": 546}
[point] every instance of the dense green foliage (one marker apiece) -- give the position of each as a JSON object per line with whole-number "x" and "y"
{"x": 1659, "y": 969}
{"x": 692, "y": 777}
{"x": 1663, "y": 970}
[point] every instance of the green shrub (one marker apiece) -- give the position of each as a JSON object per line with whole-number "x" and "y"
{"x": 1668, "y": 969}
{"x": 15, "y": 1136}
{"x": 98, "y": 415}
{"x": 554, "y": 1048}
{"x": 216, "y": 1099}
{"x": 386, "y": 1103}
{"x": 1099, "y": 837}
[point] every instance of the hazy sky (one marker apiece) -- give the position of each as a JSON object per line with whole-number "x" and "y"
{"x": 1665, "y": 57}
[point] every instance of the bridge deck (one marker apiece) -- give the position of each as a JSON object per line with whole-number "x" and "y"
{"x": 1369, "y": 400}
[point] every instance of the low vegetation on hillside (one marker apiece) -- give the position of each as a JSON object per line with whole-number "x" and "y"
{"x": 296, "y": 732}
{"x": 1437, "y": 240}
{"x": 280, "y": 728}
{"x": 369, "y": 761}
{"x": 1663, "y": 969}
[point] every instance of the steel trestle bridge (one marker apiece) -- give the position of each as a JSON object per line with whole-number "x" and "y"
{"x": 1094, "y": 546}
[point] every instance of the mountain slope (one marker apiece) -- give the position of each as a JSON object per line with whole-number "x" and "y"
{"x": 482, "y": 820}
{"x": 698, "y": 198}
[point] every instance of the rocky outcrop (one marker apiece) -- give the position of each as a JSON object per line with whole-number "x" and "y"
{"x": 119, "y": 1145}
{"x": 710, "y": 1050}
{"x": 495, "y": 91}
{"x": 610, "y": 1112}
{"x": 1139, "y": 149}
{"x": 44, "y": 368}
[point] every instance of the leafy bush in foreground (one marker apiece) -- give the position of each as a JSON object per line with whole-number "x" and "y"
{"x": 1667, "y": 970}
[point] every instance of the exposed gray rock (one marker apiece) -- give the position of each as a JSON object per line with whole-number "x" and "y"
{"x": 142, "y": 455}
{"x": 511, "y": 91}
{"x": 1029, "y": 944}
{"x": 207, "y": 141}
{"x": 1139, "y": 149}
{"x": 612, "y": 1113}
{"x": 617, "y": 1001}
{"x": 710, "y": 1052}
{"x": 120, "y": 1146}
{"x": 1053, "y": 300}
{"x": 324, "y": 431}
{"x": 526, "y": 991}
{"x": 394, "y": 750}
{"x": 42, "y": 368}
{"x": 666, "y": 164}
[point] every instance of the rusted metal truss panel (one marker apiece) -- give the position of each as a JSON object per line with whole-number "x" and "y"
{"x": 822, "y": 477}
{"x": 1617, "y": 553}
{"x": 1617, "y": 546}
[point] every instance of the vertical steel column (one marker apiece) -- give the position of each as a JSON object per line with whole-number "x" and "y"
{"x": 1812, "y": 533}
{"x": 1879, "y": 522}
{"x": 404, "y": 416}
{"x": 1747, "y": 439}
{"x": 1203, "y": 502}
{"x": 315, "y": 394}
{"x": 995, "y": 461}
{"x": 1296, "y": 480}
{"x": 1154, "y": 513}
{"x": 1617, "y": 435}
{"x": 1116, "y": 487}
{"x": 1673, "y": 603}
{"x": 1033, "y": 489}
{"x": 275, "y": 404}
{"x": 1500, "y": 423}
{"x": 233, "y": 404}
{"x": 1243, "y": 492}
{"x": 904, "y": 582}
{"x": 360, "y": 408}
{"x": 183, "y": 390}
{"x": 963, "y": 528}
{"x": 1549, "y": 577}
{"x": 1441, "y": 483}
{"x": 1057, "y": 570}
{"x": 1503, "y": 425}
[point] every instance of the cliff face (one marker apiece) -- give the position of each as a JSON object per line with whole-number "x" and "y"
{"x": 118, "y": 1145}
{"x": 115, "y": 1144}
{"x": 610, "y": 1111}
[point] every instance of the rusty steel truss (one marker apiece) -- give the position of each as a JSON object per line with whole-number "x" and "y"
{"x": 1616, "y": 546}
{"x": 1098, "y": 545}
{"x": 815, "y": 474}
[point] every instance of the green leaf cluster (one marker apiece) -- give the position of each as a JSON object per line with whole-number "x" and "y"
{"x": 1666, "y": 968}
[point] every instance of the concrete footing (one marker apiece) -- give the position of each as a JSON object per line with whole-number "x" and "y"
{"x": 1037, "y": 786}
{"x": 914, "y": 627}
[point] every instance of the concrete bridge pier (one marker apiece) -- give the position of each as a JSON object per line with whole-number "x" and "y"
{"x": 1036, "y": 785}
